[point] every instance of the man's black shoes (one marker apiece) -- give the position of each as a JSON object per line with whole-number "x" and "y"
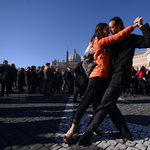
{"x": 84, "y": 138}
{"x": 125, "y": 136}
{"x": 119, "y": 135}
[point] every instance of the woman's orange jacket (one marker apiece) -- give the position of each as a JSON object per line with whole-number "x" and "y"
{"x": 103, "y": 60}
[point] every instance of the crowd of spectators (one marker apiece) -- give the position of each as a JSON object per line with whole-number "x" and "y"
{"x": 46, "y": 80}
{"x": 140, "y": 81}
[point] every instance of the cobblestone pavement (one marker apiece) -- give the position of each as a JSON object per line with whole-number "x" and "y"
{"x": 39, "y": 123}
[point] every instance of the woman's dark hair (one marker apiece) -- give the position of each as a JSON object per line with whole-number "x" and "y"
{"x": 118, "y": 21}
{"x": 142, "y": 69}
{"x": 99, "y": 34}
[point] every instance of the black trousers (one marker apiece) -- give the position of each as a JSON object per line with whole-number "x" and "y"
{"x": 108, "y": 106}
{"x": 94, "y": 93}
{"x": 28, "y": 88}
{"x": 70, "y": 89}
{"x": 78, "y": 90}
{"x": 46, "y": 87}
{"x": 20, "y": 86}
{"x": 7, "y": 84}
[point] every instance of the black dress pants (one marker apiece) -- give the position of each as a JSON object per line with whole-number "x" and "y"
{"x": 108, "y": 106}
{"x": 3, "y": 83}
{"x": 76, "y": 91}
{"x": 28, "y": 89}
{"x": 94, "y": 93}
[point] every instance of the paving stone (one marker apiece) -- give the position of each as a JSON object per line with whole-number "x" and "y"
{"x": 112, "y": 148}
{"x": 36, "y": 146}
{"x": 62, "y": 148}
{"x": 49, "y": 144}
{"x": 143, "y": 136}
{"x": 131, "y": 148}
{"x": 121, "y": 146}
{"x": 23, "y": 148}
{"x": 147, "y": 143}
{"x": 55, "y": 147}
{"x": 16, "y": 146}
{"x": 139, "y": 141}
{"x": 112, "y": 142}
{"x": 148, "y": 148}
{"x": 4, "y": 145}
{"x": 15, "y": 141}
{"x": 43, "y": 148}
{"x": 141, "y": 146}
{"x": 103, "y": 145}
{"x": 135, "y": 135}
{"x": 148, "y": 134}
{"x": 96, "y": 142}
{"x": 65, "y": 145}
{"x": 8, "y": 148}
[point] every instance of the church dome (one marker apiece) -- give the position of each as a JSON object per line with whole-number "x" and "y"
{"x": 74, "y": 56}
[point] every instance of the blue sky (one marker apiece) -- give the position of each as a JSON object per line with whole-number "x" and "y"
{"x": 33, "y": 32}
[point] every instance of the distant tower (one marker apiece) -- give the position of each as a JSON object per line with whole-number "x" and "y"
{"x": 67, "y": 58}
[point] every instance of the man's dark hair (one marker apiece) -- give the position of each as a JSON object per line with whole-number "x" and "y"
{"x": 22, "y": 69}
{"x": 118, "y": 21}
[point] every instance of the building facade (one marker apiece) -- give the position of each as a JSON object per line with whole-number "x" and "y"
{"x": 142, "y": 59}
{"x": 71, "y": 61}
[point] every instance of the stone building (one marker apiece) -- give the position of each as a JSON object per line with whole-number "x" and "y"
{"x": 71, "y": 61}
{"x": 142, "y": 59}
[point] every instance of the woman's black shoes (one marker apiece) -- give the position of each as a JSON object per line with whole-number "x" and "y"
{"x": 84, "y": 138}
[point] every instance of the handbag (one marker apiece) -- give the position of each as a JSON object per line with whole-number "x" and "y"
{"x": 88, "y": 65}
{"x": 2, "y": 76}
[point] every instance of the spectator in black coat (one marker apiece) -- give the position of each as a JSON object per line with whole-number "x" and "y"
{"x": 14, "y": 78}
{"x": 80, "y": 80}
{"x": 48, "y": 78}
{"x": 53, "y": 83}
{"x": 20, "y": 79}
{"x": 57, "y": 80}
{"x": 34, "y": 74}
{"x": 41, "y": 79}
{"x": 29, "y": 79}
{"x": 147, "y": 82}
{"x": 7, "y": 72}
{"x": 134, "y": 81}
{"x": 70, "y": 80}
{"x": 64, "y": 80}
